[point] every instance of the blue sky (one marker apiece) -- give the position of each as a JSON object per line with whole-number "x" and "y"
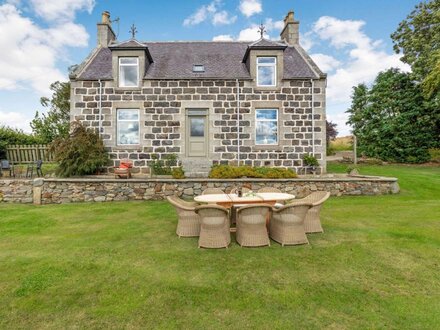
{"x": 348, "y": 39}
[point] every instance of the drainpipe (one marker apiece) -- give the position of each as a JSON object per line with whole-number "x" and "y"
{"x": 100, "y": 107}
{"x": 238, "y": 123}
{"x": 313, "y": 117}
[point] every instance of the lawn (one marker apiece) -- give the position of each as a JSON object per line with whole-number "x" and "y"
{"x": 120, "y": 265}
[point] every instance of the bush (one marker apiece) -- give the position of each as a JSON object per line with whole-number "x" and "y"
{"x": 233, "y": 172}
{"x": 163, "y": 166}
{"x": 81, "y": 153}
{"x": 10, "y": 135}
{"x": 178, "y": 173}
{"x": 310, "y": 160}
{"x": 434, "y": 154}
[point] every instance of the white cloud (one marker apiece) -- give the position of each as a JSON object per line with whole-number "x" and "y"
{"x": 223, "y": 18}
{"x": 212, "y": 13}
{"x": 223, "y": 37}
{"x": 65, "y": 10}
{"x": 325, "y": 62}
{"x": 365, "y": 56}
{"x": 15, "y": 119}
{"x": 340, "y": 119}
{"x": 33, "y": 51}
{"x": 250, "y": 7}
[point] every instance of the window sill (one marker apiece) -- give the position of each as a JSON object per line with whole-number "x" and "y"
{"x": 128, "y": 147}
{"x": 267, "y": 147}
{"x": 267, "y": 89}
{"x": 137, "y": 88}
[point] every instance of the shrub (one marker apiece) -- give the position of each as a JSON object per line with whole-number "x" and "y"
{"x": 178, "y": 173}
{"x": 233, "y": 172}
{"x": 10, "y": 135}
{"x": 310, "y": 160}
{"x": 434, "y": 154}
{"x": 163, "y": 166}
{"x": 81, "y": 153}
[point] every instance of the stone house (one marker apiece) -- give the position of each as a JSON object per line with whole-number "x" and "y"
{"x": 260, "y": 103}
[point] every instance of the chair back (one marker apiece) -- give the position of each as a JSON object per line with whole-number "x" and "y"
{"x": 39, "y": 164}
{"x": 126, "y": 163}
{"x": 212, "y": 191}
{"x": 180, "y": 204}
{"x": 213, "y": 215}
{"x": 253, "y": 214}
{"x": 269, "y": 190}
{"x": 293, "y": 213}
{"x": 317, "y": 197}
{"x": 5, "y": 164}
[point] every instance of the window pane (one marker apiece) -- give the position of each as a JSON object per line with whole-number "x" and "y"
{"x": 266, "y": 132}
{"x": 128, "y": 114}
{"x": 266, "y": 60}
{"x": 129, "y": 76}
{"x": 197, "y": 127}
{"x": 266, "y": 76}
{"x": 128, "y": 132}
{"x": 128, "y": 60}
{"x": 267, "y": 114}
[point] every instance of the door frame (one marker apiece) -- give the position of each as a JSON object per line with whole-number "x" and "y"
{"x": 196, "y": 112}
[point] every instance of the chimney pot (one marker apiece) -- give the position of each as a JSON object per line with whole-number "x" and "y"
{"x": 106, "y": 18}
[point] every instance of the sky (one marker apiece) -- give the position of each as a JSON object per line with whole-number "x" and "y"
{"x": 40, "y": 39}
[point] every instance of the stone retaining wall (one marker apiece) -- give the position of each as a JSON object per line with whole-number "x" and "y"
{"x": 16, "y": 191}
{"x": 52, "y": 191}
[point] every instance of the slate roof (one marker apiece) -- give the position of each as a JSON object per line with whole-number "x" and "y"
{"x": 222, "y": 60}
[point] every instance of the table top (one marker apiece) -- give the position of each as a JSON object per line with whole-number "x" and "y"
{"x": 233, "y": 198}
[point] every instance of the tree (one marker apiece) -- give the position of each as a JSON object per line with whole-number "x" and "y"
{"x": 418, "y": 38}
{"x": 391, "y": 120}
{"x": 80, "y": 153}
{"x": 55, "y": 123}
{"x": 331, "y": 132}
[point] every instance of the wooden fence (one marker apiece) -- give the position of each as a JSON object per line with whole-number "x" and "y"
{"x": 19, "y": 154}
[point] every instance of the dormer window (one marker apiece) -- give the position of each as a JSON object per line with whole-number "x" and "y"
{"x": 266, "y": 71}
{"x": 198, "y": 68}
{"x": 128, "y": 72}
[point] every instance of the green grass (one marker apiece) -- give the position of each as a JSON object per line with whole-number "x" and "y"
{"x": 120, "y": 265}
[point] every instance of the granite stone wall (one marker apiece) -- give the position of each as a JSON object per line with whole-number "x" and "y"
{"x": 163, "y": 106}
{"x": 16, "y": 191}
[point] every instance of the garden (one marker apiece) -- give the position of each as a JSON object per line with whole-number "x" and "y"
{"x": 121, "y": 265}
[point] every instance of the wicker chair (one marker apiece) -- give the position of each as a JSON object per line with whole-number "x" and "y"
{"x": 188, "y": 224}
{"x": 214, "y": 226}
{"x": 251, "y": 225}
{"x": 312, "y": 223}
{"x": 212, "y": 191}
{"x": 271, "y": 190}
{"x": 287, "y": 224}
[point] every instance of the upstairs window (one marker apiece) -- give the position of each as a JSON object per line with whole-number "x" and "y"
{"x": 266, "y": 126}
{"x": 127, "y": 126}
{"x": 266, "y": 71}
{"x": 128, "y": 72}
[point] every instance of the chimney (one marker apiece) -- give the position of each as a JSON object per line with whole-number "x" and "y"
{"x": 290, "y": 32}
{"x": 105, "y": 31}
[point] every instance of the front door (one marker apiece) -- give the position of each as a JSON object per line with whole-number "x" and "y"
{"x": 197, "y": 133}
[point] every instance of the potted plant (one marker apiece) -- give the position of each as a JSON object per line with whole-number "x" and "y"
{"x": 312, "y": 162}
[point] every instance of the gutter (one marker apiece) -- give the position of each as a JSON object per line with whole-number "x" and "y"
{"x": 100, "y": 107}
{"x": 238, "y": 122}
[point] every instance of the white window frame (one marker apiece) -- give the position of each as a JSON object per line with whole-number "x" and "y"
{"x": 270, "y": 65}
{"x": 267, "y": 120}
{"x": 127, "y": 120}
{"x": 120, "y": 70}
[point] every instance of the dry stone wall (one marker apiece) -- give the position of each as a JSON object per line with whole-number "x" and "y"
{"x": 16, "y": 191}
{"x": 163, "y": 105}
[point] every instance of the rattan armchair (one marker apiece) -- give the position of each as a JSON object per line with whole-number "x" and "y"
{"x": 312, "y": 223}
{"x": 214, "y": 226}
{"x": 251, "y": 225}
{"x": 188, "y": 224}
{"x": 212, "y": 191}
{"x": 287, "y": 224}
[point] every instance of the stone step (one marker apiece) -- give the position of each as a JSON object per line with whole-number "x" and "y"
{"x": 196, "y": 168}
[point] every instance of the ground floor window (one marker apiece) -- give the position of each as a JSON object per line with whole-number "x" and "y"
{"x": 266, "y": 126}
{"x": 127, "y": 126}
